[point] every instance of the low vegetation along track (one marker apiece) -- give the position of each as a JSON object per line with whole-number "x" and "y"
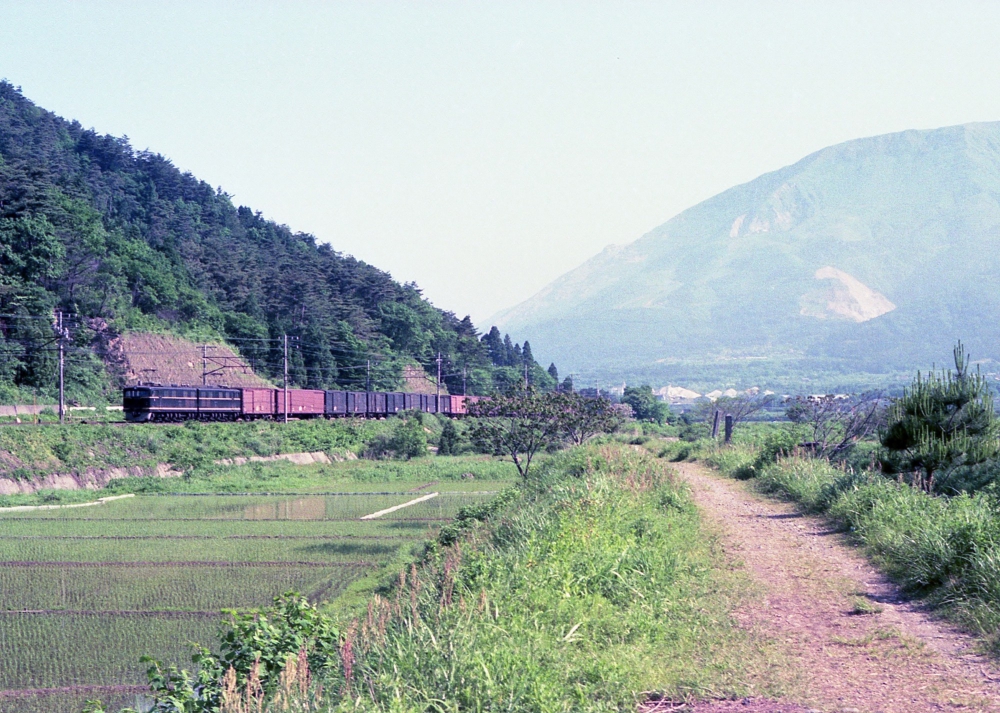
{"x": 855, "y": 642}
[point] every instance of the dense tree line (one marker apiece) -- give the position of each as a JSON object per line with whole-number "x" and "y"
{"x": 120, "y": 239}
{"x": 514, "y": 363}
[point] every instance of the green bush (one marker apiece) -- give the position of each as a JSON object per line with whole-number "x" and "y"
{"x": 677, "y": 451}
{"x": 448, "y": 440}
{"x": 404, "y": 439}
{"x": 408, "y": 440}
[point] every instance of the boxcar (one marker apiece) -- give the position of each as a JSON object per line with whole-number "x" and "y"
{"x": 376, "y": 404}
{"x": 302, "y": 403}
{"x": 458, "y": 405}
{"x": 427, "y": 403}
{"x": 257, "y": 403}
{"x": 395, "y": 402}
{"x": 357, "y": 403}
{"x": 336, "y": 404}
{"x": 447, "y": 404}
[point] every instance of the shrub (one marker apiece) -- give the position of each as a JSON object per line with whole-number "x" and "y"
{"x": 409, "y": 440}
{"x": 448, "y": 440}
{"x": 405, "y": 440}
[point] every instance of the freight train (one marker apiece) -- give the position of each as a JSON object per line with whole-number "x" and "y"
{"x": 146, "y": 403}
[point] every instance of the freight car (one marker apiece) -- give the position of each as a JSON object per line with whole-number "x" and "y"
{"x": 154, "y": 402}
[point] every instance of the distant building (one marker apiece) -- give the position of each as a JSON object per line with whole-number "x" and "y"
{"x": 677, "y": 395}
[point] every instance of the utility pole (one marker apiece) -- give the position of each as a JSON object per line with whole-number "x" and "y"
{"x": 368, "y": 377}
{"x": 204, "y": 363}
{"x": 62, "y": 367}
{"x": 525, "y": 376}
{"x": 463, "y": 380}
{"x": 439, "y": 375}
{"x": 284, "y": 381}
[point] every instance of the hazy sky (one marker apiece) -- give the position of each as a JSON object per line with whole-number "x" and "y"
{"x": 483, "y": 149}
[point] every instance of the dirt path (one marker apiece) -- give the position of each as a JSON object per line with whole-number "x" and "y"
{"x": 891, "y": 658}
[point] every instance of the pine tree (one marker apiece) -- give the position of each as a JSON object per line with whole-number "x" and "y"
{"x": 943, "y": 421}
{"x": 553, "y": 372}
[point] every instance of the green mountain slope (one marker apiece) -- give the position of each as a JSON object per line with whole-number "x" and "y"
{"x": 869, "y": 256}
{"x": 122, "y": 240}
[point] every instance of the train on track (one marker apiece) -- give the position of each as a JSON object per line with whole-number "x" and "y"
{"x": 147, "y": 403}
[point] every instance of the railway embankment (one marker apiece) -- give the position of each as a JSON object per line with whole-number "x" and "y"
{"x": 90, "y": 479}
{"x": 97, "y": 478}
{"x": 87, "y": 457}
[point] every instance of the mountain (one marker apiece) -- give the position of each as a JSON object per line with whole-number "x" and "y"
{"x": 122, "y": 241}
{"x": 868, "y": 257}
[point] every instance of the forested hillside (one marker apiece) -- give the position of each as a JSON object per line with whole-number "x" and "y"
{"x": 121, "y": 240}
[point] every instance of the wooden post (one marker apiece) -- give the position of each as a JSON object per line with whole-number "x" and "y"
{"x": 715, "y": 424}
{"x": 729, "y": 428}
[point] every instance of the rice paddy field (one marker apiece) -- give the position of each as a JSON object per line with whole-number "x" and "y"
{"x": 85, "y": 592}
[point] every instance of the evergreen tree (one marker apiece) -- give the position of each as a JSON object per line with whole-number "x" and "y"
{"x": 526, "y": 356}
{"x": 553, "y": 372}
{"x": 495, "y": 347}
{"x": 567, "y": 385}
{"x": 508, "y": 349}
{"x": 448, "y": 440}
{"x": 942, "y": 422}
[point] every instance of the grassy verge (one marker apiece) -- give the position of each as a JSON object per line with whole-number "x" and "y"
{"x": 944, "y": 549}
{"x": 590, "y": 589}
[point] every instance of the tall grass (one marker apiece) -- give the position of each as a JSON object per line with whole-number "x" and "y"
{"x": 590, "y": 591}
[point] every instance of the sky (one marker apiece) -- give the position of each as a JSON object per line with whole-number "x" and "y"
{"x": 483, "y": 149}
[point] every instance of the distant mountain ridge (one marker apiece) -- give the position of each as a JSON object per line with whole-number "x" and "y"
{"x": 872, "y": 255}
